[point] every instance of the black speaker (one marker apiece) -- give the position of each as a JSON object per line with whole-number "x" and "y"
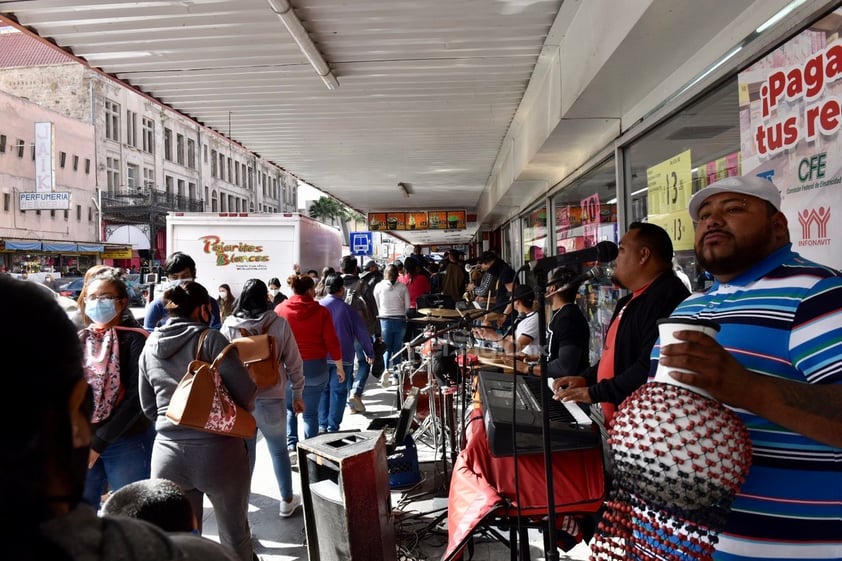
{"x": 347, "y": 498}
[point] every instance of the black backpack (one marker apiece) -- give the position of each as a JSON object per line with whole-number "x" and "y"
{"x": 360, "y": 296}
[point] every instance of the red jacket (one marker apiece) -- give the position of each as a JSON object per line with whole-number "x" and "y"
{"x": 312, "y": 326}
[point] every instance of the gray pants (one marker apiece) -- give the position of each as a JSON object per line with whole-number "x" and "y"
{"x": 216, "y": 467}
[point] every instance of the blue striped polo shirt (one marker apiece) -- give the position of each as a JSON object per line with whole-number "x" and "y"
{"x": 781, "y": 318}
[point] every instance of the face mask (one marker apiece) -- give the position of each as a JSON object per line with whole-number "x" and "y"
{"x": 274, "y": 292}
{"x": 101, "y": 311}
{"x": 223, "y": 295}
{"x": 175, "y": 282}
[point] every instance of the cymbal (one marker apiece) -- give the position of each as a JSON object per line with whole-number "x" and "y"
{"x": 429, "y": 319}
{"x": 440, "y": 312}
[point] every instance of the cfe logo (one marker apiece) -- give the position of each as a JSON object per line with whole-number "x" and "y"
{"x": 808, "y": 218}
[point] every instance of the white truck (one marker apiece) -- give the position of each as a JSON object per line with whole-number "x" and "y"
{"x": 230, "y": 248}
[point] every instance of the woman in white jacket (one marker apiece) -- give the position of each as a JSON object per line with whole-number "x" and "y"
{"x": 251, "y": 315}
{"x": 392, "y": 299}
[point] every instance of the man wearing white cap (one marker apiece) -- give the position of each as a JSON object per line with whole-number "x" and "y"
{"x": 777, "y": 362}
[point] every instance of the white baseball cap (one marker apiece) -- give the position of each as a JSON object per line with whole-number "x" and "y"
{"x": 753, "y": 185}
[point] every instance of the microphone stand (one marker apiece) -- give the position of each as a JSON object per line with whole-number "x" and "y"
{"x": 551, "y": 553}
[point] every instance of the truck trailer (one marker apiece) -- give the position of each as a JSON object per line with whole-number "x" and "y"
{"x": 230, "y": 248}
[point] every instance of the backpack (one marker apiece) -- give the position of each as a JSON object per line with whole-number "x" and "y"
{"x": 360, "y": 296}
{"x": 257, "y": 353}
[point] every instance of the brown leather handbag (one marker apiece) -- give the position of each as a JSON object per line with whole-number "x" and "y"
{"x": 202, "y": 402}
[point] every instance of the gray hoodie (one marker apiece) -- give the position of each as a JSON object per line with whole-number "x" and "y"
{"x": 292, "y": 368}
{"x": 168, "y": 351}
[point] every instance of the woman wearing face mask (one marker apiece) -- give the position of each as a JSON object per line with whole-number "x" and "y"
{"x": 275, "y": 295}
{"x": 225, "y": 301}
{"x": 201, "y": 463}
{"x": 392, "y": 299}
{"x": 122, "y": 442}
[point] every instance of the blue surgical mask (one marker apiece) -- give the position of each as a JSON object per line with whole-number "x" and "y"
{"x": 175, "y": 282}
{"x": 101, "y": 312}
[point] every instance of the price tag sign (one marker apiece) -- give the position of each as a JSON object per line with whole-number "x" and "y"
{"x": 669, "y": 185}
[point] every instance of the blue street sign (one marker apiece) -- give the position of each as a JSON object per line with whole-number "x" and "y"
{"x": 361, "y": 243}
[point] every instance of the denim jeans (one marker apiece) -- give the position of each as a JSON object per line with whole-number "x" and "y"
{"x": 126, "y": 460}
{"x": 393, "y": 331}
{"x": 315, "y": 380}
{"x": 271, "y": 417}
{"x": 363, "y": 368}
{"x": 334, "y": 396}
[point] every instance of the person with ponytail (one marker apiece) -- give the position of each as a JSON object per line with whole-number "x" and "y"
{"x": 250, "y": 315}
{"x": 201, "y": 463}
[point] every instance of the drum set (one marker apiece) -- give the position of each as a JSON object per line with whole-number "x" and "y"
{"x": 431, "y": 364}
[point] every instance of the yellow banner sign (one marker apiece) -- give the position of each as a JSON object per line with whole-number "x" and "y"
{"x": 669, "y": 189}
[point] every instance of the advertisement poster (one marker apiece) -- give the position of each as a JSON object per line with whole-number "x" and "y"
{"x": 447, "y": 219}
{"x": 377, "y": 221}
{"x": 668, "y": 192}
{"x": 790, "y": 120}
{"x": 396, "y": 221}
{"x": 416, "y": 220}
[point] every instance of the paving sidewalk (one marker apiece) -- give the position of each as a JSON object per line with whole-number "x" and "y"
{"x": 416, "y": 509}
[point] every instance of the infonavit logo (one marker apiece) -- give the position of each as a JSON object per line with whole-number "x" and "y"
{"x": 810, "y": 217}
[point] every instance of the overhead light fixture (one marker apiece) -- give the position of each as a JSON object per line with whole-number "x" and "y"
{"x": 779, "y": 16}
{"x": 405, "y": 188}
{"x": 283, "y": 9}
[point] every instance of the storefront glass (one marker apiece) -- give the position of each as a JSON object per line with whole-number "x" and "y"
{"x": 585, "y": 213}
{"x": 697, "y": 146}
{"x": 535, "y": 242}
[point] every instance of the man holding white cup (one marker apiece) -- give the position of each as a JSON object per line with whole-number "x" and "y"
{"x": 777, "y": 361}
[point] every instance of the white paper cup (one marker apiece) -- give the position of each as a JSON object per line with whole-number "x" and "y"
{"x": 666, "y": 328}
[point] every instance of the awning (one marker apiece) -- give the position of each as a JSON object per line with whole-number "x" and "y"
{"x": 90, "y": 248}
{"x": 22, "y": 245}
{"x": 130, "y": 234}
{"x": 63, "y": 247}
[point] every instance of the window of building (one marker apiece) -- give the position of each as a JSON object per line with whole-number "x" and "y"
{"x": 66, "y": 215}
{"x": 191, "y": 153}
{"x": 2, "y": 143}
{"x": 7, "y": 201}
{"x": 213, "y": 202}
{"x": 205, "y": 153}
{"x": 180, "y": 188}
{"x": 148, "y": 178}
{"x": 52, "y": 213}
{"x": 584, "y": 213}
{"x": 112, "y": 173}
{"x": 132, "y": 176}
{"x": 131, "y": 128}
{"x": 62, "y": 159}
{"x": 148, "y": 135}
{"x": 20, "y": 145}
{"x": 168, "y": 181}
{"x": 230, "y": 172}
{"x": 698, "y": 145}
{"x": 222, "y": 167}
{"x": 75, "y": 163}
{"x": 167, "y": 144}
{"x": 237, "y": 173}
{"x": 32, "y": 151}
{"x": 87, "y": 166}
{"x": 213, "y": 163}
{"x": 191, "y": 191}
{"x": 112, "y": 120}
{"x": 179, "y": 149}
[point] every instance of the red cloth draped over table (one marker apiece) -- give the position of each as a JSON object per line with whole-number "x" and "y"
{"x": 482, "y": 485}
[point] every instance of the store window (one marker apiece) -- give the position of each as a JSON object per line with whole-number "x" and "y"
{"x": 697, "y": 146}
{"x": 535, "y": 243}
{"x": 584, "y": 214}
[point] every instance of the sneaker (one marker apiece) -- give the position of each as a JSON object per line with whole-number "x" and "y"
{"x": 288, "y": 508}
{"x": 386, "y": 379}
{"x": 356, "y": 404}
{"x": 293, "y": 457}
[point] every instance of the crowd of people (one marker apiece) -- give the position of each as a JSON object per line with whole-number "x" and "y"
{"x": 98, "y": 425}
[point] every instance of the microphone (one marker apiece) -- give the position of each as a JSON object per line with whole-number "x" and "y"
{"x": 602, "y": 252}
{"x": 592, "y": 274}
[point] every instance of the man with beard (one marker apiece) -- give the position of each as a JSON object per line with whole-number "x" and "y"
{"x": 777, "y": 361}
{"x": 44, "y": 457}
{"x": 644, "y": 267}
